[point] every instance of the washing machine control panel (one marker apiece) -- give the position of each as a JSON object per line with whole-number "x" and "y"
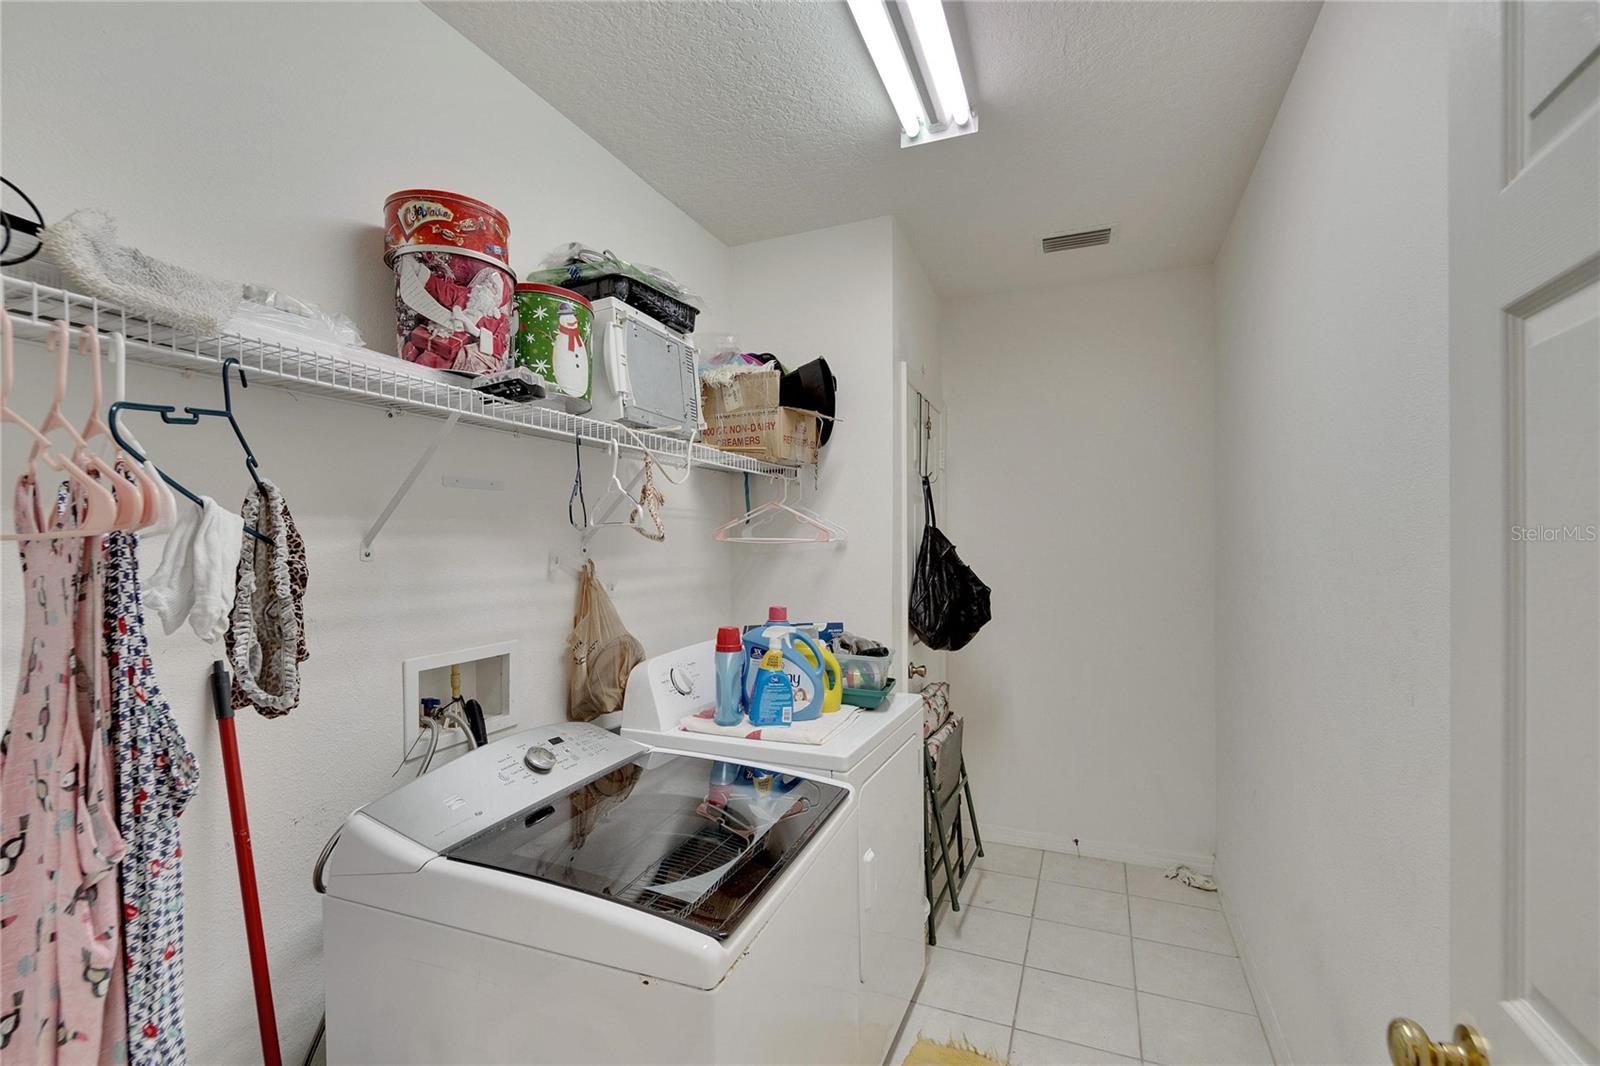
{"x": 486, "y": 786}
{"x": 664, "y": 690}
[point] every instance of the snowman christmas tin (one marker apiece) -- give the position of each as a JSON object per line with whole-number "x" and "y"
{"x": 554, "y": 335}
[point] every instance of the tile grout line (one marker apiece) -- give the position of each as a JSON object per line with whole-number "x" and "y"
{"x": 1078, "y": 1043}
{"x": 1175, "y": 903}
{"x": 1133, "y": 965}
{"x": 1026, "y": 965}
{"x": 1190, "y": 947}
{"x": 1091, "y": 929}
{"x": 1023, "y": 974}
{"x": 1090, "y": 980}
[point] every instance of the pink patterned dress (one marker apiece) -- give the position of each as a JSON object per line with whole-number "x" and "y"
{"x": 61, "y": 996}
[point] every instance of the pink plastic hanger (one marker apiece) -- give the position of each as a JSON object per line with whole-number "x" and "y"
{"x": 819, "y": 530}
{"x": 136, "y": 483}
{"x": 100, "y": 505}
{"x": 164, "y": 502}
{"x": 128, "y": 508}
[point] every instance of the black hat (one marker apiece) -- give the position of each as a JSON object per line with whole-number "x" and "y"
{"x": 811, "y": 388}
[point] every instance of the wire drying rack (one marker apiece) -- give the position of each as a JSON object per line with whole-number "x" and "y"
{"x": 709, "y": 849}
{"x": 382, "y": 382}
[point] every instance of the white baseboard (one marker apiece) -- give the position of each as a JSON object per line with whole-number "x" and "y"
{"x": 1252, "y": 974}
{"x": 1097, "y": 849}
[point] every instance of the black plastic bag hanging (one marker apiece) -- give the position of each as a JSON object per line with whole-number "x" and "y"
{"x": 949, "y": 603}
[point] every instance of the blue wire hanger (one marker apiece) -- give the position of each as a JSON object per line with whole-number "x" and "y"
{"x": 191, "y": 417}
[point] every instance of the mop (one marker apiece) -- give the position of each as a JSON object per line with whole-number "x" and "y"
{"x": 255, "y": 938}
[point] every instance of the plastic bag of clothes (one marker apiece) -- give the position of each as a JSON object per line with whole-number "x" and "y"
{"x": 949, "y": 603}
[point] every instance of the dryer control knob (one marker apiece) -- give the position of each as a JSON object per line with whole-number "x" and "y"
{"x": 681, "y": 681}
{"x": 540, "y": 759}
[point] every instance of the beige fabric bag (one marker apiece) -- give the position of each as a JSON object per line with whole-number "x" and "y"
{"x": 602, "y": 652}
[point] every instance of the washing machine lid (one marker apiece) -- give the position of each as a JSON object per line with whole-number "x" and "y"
{"x": 692, "y": 840}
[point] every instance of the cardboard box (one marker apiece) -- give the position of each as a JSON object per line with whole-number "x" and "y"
{"x": 775, "y": 434}
{"x": 755, "y": 390}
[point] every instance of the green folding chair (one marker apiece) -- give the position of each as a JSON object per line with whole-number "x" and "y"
{"x": 946, "y": 851}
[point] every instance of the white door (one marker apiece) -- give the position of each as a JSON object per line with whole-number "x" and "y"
{"x": 1524, "y": 511}
{"x": 924, "y": 455}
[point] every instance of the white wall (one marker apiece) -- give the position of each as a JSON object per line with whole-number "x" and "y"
{"x": 1080, "y": 489}
{"x": 1332, "y": 542}
{"x": 917, "y": 316}
{"x": 830, "y": 293}
{"x": 259, "y": 142}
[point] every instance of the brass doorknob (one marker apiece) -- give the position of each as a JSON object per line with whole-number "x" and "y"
{"x": 916, "y": 670}
{"x": 1409, "y": 1046}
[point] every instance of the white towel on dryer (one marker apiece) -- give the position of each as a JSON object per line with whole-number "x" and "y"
{"x": 816, "y": 731}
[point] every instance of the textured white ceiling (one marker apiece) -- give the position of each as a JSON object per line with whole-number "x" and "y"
{"x": 767, "y": 118}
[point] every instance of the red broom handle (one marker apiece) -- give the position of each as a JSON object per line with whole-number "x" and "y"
{"x": 266, "y": 1016}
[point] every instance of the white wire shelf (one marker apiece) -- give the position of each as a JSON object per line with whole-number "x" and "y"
{"x": 37, "y": 306}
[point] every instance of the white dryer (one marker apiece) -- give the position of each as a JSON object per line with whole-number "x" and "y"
{"x": 565, "y": 895}
{"x": 878, "y": 754}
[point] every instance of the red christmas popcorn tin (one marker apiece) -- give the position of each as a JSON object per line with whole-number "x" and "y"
{"x": 432, "y": 220}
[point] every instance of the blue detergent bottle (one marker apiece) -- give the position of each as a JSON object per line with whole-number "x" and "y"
{"x": 730, "y": 677}
{"x": 756, "y": 643}
{"x": 802, "y": 660}
{"x": 724, "y": 775}
{"x": 771, "y": 695}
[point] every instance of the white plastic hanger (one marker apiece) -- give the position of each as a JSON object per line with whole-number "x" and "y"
{"x": 100, "y": 505}
{"x": 823, "y": 531}
{"x": 616, "y": 495}
{"x": 661, "y": 466}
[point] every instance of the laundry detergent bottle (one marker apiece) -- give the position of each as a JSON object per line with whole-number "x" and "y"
{"x": 771, "y": 695}
{"x": 832, "y": 675}
{"x": 724, "y": 775}
{"x": 799, "y": 657}
{"x": 756, "y": 645}
{"x": 730, "y": 677}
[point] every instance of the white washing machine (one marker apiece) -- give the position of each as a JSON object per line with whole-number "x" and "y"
{"x": 566, "y": 895}
{"x": 878, "y": 755}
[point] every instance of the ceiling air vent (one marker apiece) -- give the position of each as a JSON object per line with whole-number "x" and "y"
{"x": 1089, "y": 238}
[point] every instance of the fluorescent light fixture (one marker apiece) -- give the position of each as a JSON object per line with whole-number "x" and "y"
{"x": 949, "y": 92}
{"x": 872, "y": 19}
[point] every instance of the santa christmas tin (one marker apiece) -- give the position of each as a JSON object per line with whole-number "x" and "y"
{"x": 438, "y": 221}
{"x": 554, "y": 333}
{"x": 453, "y": 311}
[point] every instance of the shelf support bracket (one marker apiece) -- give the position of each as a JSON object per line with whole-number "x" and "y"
{"x": 405, "y": 486}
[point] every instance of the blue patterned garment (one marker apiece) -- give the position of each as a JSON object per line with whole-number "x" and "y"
{"x": 156, "y": 774}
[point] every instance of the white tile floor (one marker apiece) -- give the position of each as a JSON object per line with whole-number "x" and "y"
{"x": 1057, "y": 959}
